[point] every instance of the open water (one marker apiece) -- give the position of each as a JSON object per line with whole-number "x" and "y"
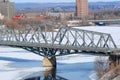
{"x": 79, "y": 71}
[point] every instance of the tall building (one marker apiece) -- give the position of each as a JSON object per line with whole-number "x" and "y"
{"x": 7, "y": 8}
{"x": 81, "y": 8}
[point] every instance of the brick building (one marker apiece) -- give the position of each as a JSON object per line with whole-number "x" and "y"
{"x": 81, "y": 8}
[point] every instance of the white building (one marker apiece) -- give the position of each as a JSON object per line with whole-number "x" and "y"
{"x": 74, "y": 23}
{"x": 1, "y": 16}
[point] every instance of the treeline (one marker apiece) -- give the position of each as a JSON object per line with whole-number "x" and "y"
{"x": 105, "y": 14}
{"x": 19, "y": 24}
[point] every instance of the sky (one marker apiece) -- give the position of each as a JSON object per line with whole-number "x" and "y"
{"x": 55, "y": 1}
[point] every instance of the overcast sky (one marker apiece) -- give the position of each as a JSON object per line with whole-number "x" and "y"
{"x": 55, "y": 1}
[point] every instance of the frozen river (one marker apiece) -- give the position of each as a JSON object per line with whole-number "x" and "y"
{"x": 19, "y": 64}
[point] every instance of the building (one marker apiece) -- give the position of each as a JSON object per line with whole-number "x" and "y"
{"x": 81, "y": 8}
{"x": 61, "y": 14}
{"x": 19, "y": 17}
{"x": 1, "y": 16}
{"x": 7, "y": 9}
{"x": 74, "y": 23}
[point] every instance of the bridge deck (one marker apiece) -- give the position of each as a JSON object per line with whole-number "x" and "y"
{"x": 56, "y": 46}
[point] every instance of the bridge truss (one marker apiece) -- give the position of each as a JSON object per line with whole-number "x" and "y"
{"x": 62, "y": 41}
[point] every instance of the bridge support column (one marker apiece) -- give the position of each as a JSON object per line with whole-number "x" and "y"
{"x": 49, "y": 62}
{"x": 50, "y": 74}
{"x": 114, "y": 60}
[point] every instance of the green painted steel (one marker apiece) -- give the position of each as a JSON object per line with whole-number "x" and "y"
{"x": 64, "y": 41}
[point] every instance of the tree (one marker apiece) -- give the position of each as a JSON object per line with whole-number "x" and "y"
{"x": 100, "y": 66}
{"x": 12, "y": 24}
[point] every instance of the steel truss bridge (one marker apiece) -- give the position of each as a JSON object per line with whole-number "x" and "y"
{"x": 63, "y": 41}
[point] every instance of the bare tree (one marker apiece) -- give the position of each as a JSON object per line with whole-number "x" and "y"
{"x": 11, "y": 24}
{"x": 100, "y": 66}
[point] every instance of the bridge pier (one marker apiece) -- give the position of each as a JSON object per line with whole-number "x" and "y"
{"x": 50, "y": 75}
{"x": 49, "y": 62}
{"x": 114, "y": 60}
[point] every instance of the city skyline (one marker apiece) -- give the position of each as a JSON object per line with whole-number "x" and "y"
{"x": 57, "y": 1}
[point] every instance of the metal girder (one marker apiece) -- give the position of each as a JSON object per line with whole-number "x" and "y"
{"x": 84, "y": 38}
{"x": 62, "y": 42}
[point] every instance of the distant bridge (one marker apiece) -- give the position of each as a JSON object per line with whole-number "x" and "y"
{"x": 116, "y": 21}
{"x": 105, "y": 20}
{"x": 62, "y": 42}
